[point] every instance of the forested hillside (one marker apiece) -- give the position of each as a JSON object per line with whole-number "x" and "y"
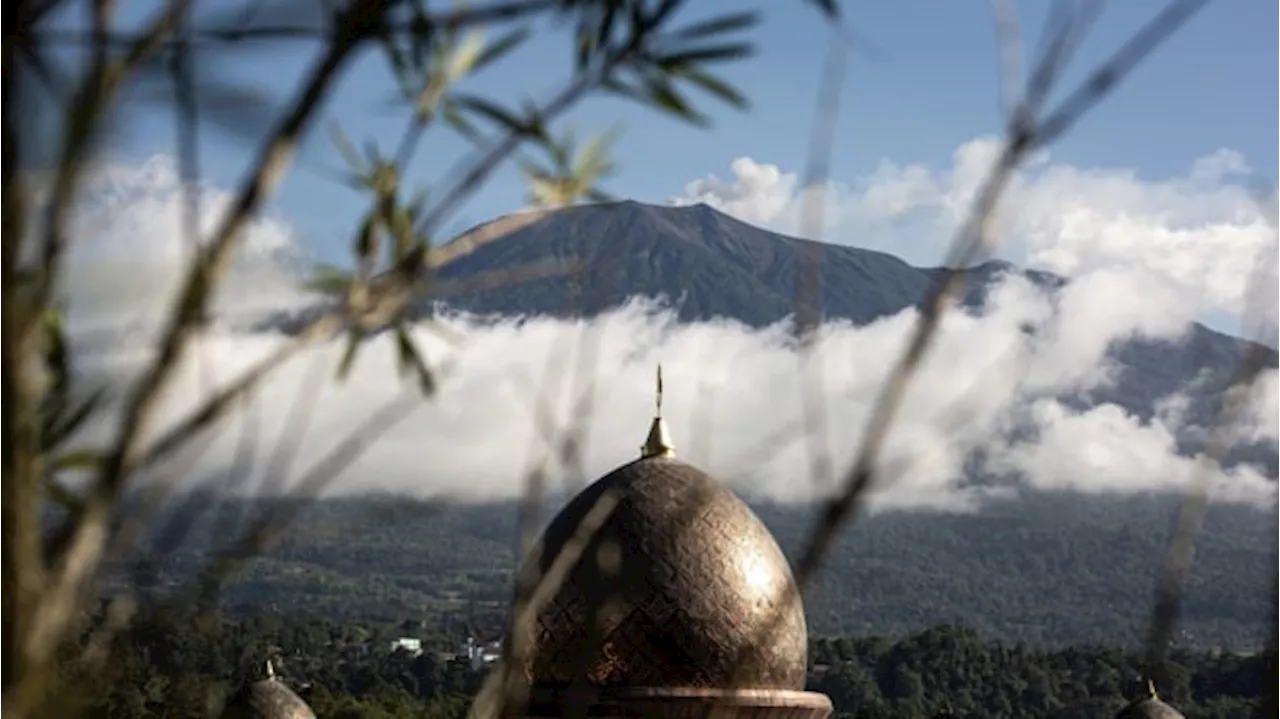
{"x": 174, "y": 666}
{"x": 1048, "y": 569}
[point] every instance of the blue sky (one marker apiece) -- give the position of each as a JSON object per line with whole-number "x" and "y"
{"x": 928, "y": 87}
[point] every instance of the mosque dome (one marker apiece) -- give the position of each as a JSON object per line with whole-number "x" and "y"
{"x": 681, "y": 585}
{"x": 1149, "y": 707}
{"x": 267, "y": 698}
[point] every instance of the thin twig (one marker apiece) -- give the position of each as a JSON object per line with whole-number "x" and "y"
{"x": 809, "y": 300}
{"x": 972, "y": 239}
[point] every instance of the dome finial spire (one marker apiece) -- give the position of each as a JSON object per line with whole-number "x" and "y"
{"x": 1151, "y": 689}
{"x": 658, "y": 443}
{"x": 658, "y": 398}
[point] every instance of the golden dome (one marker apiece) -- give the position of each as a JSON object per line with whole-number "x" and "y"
{"x": 267, "y": 698}
{"x": 1149, "y": 707}
{"x": 679, "y": 587}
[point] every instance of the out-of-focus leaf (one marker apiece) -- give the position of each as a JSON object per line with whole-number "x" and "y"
{"x": 700, "y": 56}
{"x": 57, "y": 357}
{"x": 410, "y": 359}
{"x": 719, "y": 25}
{"x": 593, "y": 161}
{"x": 622, "y": 89}
{"x": 830, "y": 8}
{"x": 662, "y": 13}
{"x": 66, "y": 420}
{"x": 459, "y": 122}
{"x": 715, "y": 86}
{"x": 62, "y": 495}
{"x": 367, "y": 240}
{"x": 347, "y": 149}
{"x": 499, "y": 115}
{"x": 463, "y": 60}
{"x": 573, "y": 173}
{"x": 354, "y": 341}
{"x": 662, "y": 96}
{"x": 500, "y": 47}
{"x": 330, "y": 280}
{"x": 595, "y": 195}
{"x": 83, "y": 459}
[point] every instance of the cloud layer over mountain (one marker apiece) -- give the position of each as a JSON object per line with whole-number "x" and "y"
{"x": 1198, "y": 236}
{"x": 1145, "y": 257}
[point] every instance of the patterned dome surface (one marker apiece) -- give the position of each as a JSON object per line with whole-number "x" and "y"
{"x": 267, "y": 698}
{"x": 1149, "y": 708}
{"x": 681, "y": 586}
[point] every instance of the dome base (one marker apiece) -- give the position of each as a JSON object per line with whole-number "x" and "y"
{"x": 619, "y": 702}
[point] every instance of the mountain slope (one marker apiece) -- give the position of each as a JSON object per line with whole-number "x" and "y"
{"x": 706, "y": 263}
{"x": 709, "y": 265}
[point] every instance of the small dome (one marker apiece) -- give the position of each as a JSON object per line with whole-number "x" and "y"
{"x": 682, "y": 580}
{"x": 267, "y": 698}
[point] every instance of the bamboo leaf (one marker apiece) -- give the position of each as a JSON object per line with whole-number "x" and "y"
{"x": 64, "y": 424}
{"x": 464, "y": 59}
{"x": 500, "y": 47}
{"x": 412, "y": 359}
{"x": 715, "y": 86}
{"x": 328, "y": 279}
{"x": 83, "y": 459}
{"x": 701, "y": 56}
{"x": 719, "y": 25}
{"x": 63, "y": 496}
{"x": 347, "y": 149}
{"x": 459, "y": 122}
{"x": 662, "y": 96}
{"x": 354, "y": 341}
{"x": 495, "y": 113}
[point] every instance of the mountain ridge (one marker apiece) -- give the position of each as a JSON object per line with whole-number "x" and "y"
{"x": 710, "y": 265}
{"x": 707, "y": 265}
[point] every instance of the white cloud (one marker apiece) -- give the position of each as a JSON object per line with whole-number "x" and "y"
{"x": 130, "y": 243}
{"x": 1201, "y": 233}
{"x": 758, "y": 193}
{"x": 732, "y": 393}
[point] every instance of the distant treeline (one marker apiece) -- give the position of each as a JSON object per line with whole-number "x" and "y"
{"x": 170, "y": 665}
{"x": 1047, "y": 569}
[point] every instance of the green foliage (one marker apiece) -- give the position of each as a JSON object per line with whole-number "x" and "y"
{"x": 170, "y": 666}
{"x": 1045, "y": 569}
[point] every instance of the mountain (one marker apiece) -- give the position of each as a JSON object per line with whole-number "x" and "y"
{"x": 709, "y": 265}
{"x": 1051, "y": 568}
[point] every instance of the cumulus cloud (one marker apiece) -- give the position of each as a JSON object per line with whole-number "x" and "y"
{"x": 130, "y": 243}
{"x": 733, "y": 393}
{"x": 1201, "y": 233}
{"x": 732, "y": 401}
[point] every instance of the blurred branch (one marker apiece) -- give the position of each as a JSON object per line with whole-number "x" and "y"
{"x": 809, "y": 299}
{"x": 87, "y": 112}
{"x": 82, "y": 554}
{"x": 236, "y": 33}
{"x": 1025, "y": 133}
{"x": 23, "y": 565}
{"x": 1179, "y": 550}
